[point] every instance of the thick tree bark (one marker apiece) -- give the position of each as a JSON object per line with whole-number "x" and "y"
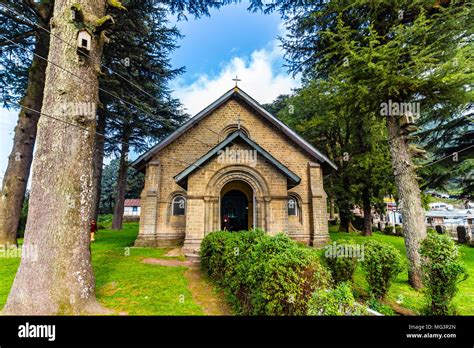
{"x": 58, "y": 279}
{"x": 367, "y": 207}
{"x": 414, "y": 228}
{"x": 21, "y": 155}
{"x": 331, "y": 207}
{"x": 98, "y": 162}
{"x": 121, "y": 183}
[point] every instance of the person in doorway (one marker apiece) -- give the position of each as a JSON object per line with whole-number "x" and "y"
{"x": 93, "y": 230}
{"x": 226, "y": 223}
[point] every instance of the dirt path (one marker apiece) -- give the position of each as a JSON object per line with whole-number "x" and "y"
{"x": 203, "y": 292}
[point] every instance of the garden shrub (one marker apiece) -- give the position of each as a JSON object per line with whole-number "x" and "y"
{"x": 398, "y": 230}
{"x": 382, "y": 263}
{"x": 263, "y": 275}
{"x": 212, "y": 249}
{"x": 382, "y": 308}
{"x": 341, "y": 258}
{"x": 442, "y": 271}
{"x": 388, "y": 230}
{"x": 337, "y": 301}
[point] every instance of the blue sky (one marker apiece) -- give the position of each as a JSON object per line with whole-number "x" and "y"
{"x": 232, "y": 41}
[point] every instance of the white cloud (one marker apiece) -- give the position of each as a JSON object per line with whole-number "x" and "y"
{"x": 262, "y": 77}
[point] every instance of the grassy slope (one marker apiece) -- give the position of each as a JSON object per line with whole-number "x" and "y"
{"x": 413, "y": 299}
{"x": 123, "y": 283}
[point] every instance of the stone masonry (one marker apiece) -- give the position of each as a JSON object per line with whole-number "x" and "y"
{"x": 158, "y": 227}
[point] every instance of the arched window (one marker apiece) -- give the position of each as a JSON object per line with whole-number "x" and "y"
{"x": 292, "y": 206}
{"x": 178, "y": 206}
{"x": 231, "y": 128}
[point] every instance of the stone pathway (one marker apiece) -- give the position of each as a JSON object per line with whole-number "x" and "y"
{"x": 171, "y": 263}
{"x": 203, "y": 292}
{"x": 175, "y": 252}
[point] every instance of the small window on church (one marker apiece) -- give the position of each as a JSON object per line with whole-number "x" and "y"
{"x": 178, "y": 206}
{"x": 292, "y": 207}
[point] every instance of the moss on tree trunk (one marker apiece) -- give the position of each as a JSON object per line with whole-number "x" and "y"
{"x": 59, "y": 280}
{"x": 21, "y": 155}
{"x": 413, "y": 215}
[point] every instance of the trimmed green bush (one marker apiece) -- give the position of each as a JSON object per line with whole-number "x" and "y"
{"x": 399, "y": 230}
{"x": 263, "y": 275}
{"x": 337, "y": 301}
{"x": 341, "y": 258}
{"x": 442, "y": 271}
{"x": 388, "y": 230}
{"x": 382, "y": 263}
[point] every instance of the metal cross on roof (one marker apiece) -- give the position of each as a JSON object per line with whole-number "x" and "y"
{"x": 237, "y": 80}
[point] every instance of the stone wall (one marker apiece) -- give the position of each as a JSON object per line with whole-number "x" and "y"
{"x": 269, "y": 184}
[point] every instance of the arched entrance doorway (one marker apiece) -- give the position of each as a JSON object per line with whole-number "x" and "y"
{"x": 237, "y": 202}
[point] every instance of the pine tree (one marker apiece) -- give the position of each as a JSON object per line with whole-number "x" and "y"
{"x": 139, "y": 50}
{"x": 22, "y": 81}
{"x": 382, "y": 52}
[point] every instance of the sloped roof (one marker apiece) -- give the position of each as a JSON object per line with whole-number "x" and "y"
{"x": 238, "y": 94}
{"x": 132, "y": 203}
{"x": 461, "y": 213}
{"x": 181, "y": 178}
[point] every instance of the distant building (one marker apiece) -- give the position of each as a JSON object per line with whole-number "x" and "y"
{"x": 456, "y": 217}
{"x": 131, "y": 207}
{"x": 440, "y": 206}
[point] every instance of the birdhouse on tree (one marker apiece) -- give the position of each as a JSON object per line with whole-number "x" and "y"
{"x": 407, "y": 122}
{"x": 84, "y": 40}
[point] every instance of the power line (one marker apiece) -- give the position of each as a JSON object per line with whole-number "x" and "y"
{"x": 102, "y": 89}
{"x": 101, "y": 134}
{"x": 102, "y": 65}
{"x": 87, "y": 55}
{"x": 443, "y": 158}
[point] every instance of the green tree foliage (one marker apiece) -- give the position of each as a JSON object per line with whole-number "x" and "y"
{"x": 15, "y": 61}
{"x": 342, "y": 258}
{"x": 382, "y": 263}
{"x": 443, "y": 271}
{"x": 335, "y": 302}
{"x": 135, "y": 182}
{"x": 320, "y": 113}
{"x": 380, "y": 51}
{"x": 138, "y": 53}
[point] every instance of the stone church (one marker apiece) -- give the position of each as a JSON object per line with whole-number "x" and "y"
{"x": 233, "y": 166}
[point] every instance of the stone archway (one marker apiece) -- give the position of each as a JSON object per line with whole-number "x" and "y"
{"x": 252, "y": 184}
{"x": 237, "y": 206}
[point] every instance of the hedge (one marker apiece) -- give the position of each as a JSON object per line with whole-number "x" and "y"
{"x": 442, "y": 270}
{"x": 263, "y": 275}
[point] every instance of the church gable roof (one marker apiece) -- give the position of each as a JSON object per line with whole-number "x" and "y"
{"x": 238, "y": 94}
{"x": 181, "y": 178}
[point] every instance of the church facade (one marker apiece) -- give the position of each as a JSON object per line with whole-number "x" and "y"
{"x": 233, "y": 166}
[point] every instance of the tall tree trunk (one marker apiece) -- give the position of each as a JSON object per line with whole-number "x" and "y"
{"x": 331, "y": 207}
{"x": 58, "y": 279}
{"x": 21, "y": 155}
{"x": 121, "y": 183}
{"x": 98, "y": 162}
{"x": 367, "y": 230}
{"x": 344, "y": 205}
{"x": 414, "y": 228}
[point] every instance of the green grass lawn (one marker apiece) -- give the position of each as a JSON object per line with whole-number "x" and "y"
{"x": 123, "y": 283}
{"x": 400, "y": 290}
